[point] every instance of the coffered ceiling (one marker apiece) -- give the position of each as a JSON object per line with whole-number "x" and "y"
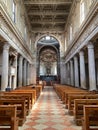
{"x": 48, "y": 15}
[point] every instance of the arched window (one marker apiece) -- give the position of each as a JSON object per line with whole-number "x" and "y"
{"x": 14, "y": 11}
{"x": 65, "y": 44}
{"x": 5, "y": 2}
{"x": 70, "y": 32}
{"x": 90, "y": 2}
{"x": 82, "y": 13}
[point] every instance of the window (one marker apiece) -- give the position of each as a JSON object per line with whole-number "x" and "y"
{"x": 14, "y": 11}
{"x": 65, "y": 44}
{"x": 25, "y": 33}
{"x": 47, "y": 37}
{"x": 5, "y": 1}
{"x": 30, "y": 43}
{"x": 70, "y": 32}
{"x": 82, "y": 16}
{"x": 90, "y": 2}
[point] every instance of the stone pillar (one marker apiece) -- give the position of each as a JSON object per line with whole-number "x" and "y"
{"x": 76, "y": 71}
{"x": 28, "y": 73}
{"x": 5, "y": 67}
{"x": 68, "y": 73}
{"x": 10, "y": 81}
{"x": 71, "y": 73}
{"x": 34, "y": 74}
{"x": 25, "y": 73}
{"x": 20, "y": 73}
{"x": 65, "y": 73}
{"x": 82, "y": 70}
{"x": 15, "y": 78}
{"x": 97, "y": 72}
{"x": 91, "y": 65}
{"x": 62, "y": 66}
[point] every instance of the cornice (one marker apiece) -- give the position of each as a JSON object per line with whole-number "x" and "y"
{"x": 9, "y": 22}
{"x": 92, "y": 13}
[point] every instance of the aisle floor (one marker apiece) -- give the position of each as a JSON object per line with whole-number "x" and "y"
{"x": 48, "y": 113}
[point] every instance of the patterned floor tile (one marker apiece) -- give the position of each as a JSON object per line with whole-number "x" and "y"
{"x": 59, "y": 127}
{"x": 49, "y": 113}
{"x": 50, "y": 128}
{"x": 40, "y": 127}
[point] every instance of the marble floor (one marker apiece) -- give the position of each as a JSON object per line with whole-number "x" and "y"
{"x": 49, "y": 113}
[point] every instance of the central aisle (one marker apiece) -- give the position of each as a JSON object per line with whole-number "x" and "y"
{"x": 49, "y": 113}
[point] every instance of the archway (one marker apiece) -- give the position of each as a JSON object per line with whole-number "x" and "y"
{"x": 48, "y": 59}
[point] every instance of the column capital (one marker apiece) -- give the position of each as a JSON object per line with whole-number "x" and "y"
{"x": 21, "y": 57}
{"x": 25, "y": 60}
{"x": 75, "y": 57}
{"x": 81, "y": 53}
{"x": 28, "y": 62}
{"x": 90, "y": 45}
{"x": 71, "y": 61}
{"x": 6, "y": 46}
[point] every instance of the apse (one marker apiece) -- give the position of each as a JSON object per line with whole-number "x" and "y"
{"x": 48, "y": 56}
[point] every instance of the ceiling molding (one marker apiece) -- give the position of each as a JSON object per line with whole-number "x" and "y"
{"x": 47, "y": 2}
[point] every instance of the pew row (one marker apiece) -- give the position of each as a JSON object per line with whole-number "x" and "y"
{"x": 90, "y": 118}
{"x": 72, "y": 97}
{"x": 63, "y": 90}
{"x": 24, "y": 97}
{"x": 21, "y": 109}
{"x": 8, "y": 117}
{"x": 78, "y": 108}
{"x": 30, "y": 94}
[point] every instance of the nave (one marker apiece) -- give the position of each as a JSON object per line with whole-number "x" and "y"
{"x": 49, "y": 113}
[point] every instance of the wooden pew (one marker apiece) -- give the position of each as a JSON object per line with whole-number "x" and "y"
{"x": 64, "y": 90}
{"x": 72, "y": 93}
{"x": 71, "y": 99}
{"x": 21, "y": 109}
{"x": 78, "y": 108}
{"x": 22, "y": 92}
{"x": 19, "y": 97}
{"x": 37, "y": 88}
{"x": 90, "y": 118}
{"x": 8, "y": 117}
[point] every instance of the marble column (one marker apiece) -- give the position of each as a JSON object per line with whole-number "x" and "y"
{"x": 25, "y": 73}
{"x": 91, "y": 65}
{"x": 71, "y": 73}
{"x": 5, "y": 67}
{"x": 82, "y": 70}
{"x": 76, "y": 71}
{"x": 20, "y": 73}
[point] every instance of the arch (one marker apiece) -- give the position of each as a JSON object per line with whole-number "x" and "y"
{"x": 44, "y": 35}
{"x": 46, "y": 46}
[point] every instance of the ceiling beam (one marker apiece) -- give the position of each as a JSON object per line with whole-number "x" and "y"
{"x": 47, "y": 13}
{"x": 44, "y": 30}
{"x": 47, "y": 22}
{"x": 44, "y": 2}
